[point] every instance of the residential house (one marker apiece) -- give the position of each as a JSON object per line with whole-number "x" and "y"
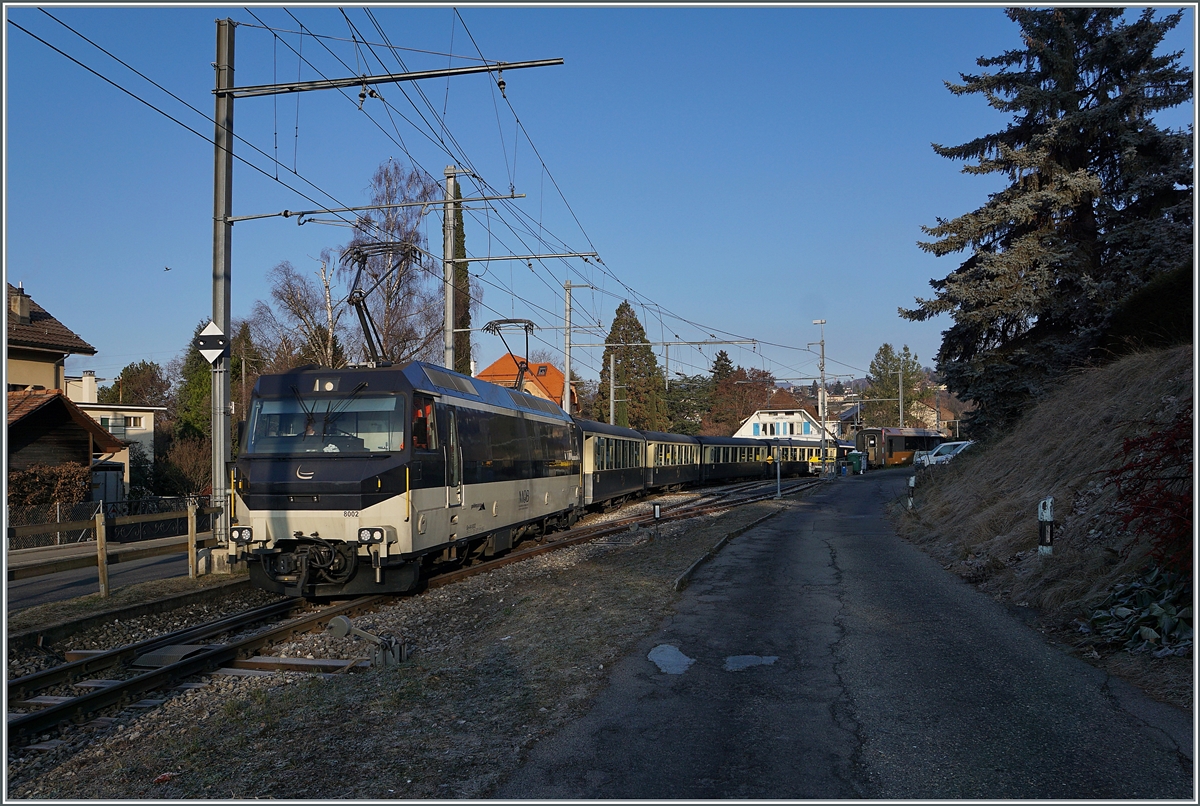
{"x": 132, "y": 424}
{"x": 540, "y": 380}
{"x": 783, "y": 424}
{"x": 38, "y": 345}
{"x": 44, "y": 425}
{"x": 924, "y": 415}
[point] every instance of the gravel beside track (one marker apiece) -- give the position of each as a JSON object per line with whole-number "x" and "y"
{"x": 27, "y": 660}
{"x": 498, "y": 661}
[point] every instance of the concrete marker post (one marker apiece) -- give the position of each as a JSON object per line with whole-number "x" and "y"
{"x": 1045, "y": 513}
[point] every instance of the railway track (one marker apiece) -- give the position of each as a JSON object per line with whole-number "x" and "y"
{"x": 178, "y": 655}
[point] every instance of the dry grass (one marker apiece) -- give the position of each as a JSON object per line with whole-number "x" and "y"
{"x": 978, "y": 514}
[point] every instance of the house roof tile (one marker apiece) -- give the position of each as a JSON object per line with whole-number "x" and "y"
{"x": 547, "y": 378}
{"x": 43, "y": 331}
{"x": 22, "y": 404}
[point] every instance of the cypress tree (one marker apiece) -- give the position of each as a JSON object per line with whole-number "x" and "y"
{"x": 462, "y": 293}
{"x": 1099, "y": 202}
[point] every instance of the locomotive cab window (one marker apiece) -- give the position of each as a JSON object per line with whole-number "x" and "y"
{"x": 327, "y": 424}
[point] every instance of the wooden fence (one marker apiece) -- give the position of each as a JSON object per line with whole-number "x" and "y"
{"x": 102, "y": 524}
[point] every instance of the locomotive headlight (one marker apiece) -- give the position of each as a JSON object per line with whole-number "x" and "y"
{"x": 241, "y": 534}
{"x": 372, "y": 535}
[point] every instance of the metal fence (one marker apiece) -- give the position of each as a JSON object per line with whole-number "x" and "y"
{"x": 50, "y": 514}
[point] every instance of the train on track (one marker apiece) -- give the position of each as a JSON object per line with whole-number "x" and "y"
{"x": 359, "y": 480}
{"x": 893, "y": 447}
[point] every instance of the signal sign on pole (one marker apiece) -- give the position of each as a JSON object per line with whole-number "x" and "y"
{"x": 212, "y": 343}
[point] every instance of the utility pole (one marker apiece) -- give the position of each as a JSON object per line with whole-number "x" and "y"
{"x": 821, "y": 395}
{"x": 900, "y": 376}
{"x": 567, "y": 286}
{"x": 448, "y": 268}
{"x": 612, "y": 388}
{"x": 222, "y": 235}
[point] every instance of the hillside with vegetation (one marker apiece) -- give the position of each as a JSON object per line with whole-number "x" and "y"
{"x": 1113, "y": 446}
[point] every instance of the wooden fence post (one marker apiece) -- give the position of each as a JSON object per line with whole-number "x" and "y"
{"x": 192, "y": 515}
{"x": 102, "y": 552}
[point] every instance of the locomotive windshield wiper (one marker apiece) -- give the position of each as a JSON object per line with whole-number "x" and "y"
{"x": 309, "y": 419}
{"x": 332, "y": 412}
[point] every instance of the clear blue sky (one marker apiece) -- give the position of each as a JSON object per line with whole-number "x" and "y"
{"x": 747, "y": 170}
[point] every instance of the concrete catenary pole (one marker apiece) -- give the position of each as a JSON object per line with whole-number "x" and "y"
{"x": 222, "y": 234}
{"x": 566, "y": 393}
{"x": 821, "y": 395}
{"x": 448, "y": 269}
{"x": 612, "y": 388}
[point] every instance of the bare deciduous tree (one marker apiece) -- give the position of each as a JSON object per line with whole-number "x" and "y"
{"x": 308, "y": 327}
{"x": 406, "y": 302}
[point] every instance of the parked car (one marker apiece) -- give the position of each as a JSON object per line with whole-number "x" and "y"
{"x": 942, "y": 453}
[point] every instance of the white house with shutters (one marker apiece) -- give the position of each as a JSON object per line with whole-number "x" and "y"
{"x": 784, "y": 424}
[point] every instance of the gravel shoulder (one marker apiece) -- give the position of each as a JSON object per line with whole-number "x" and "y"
{"x": 498, "y": 661}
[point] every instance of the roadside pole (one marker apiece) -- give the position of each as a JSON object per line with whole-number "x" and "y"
{"x": 192, "y": 561}
{"x": 102, "y": 553}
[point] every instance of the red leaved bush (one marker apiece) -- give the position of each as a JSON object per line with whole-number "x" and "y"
{"x": 1154, "y": 488}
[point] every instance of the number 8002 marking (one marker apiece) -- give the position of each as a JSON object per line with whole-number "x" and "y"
{"x": 350, "y": 513}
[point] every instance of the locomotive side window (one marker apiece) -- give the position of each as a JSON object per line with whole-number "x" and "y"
{"x": 424, "y": 436}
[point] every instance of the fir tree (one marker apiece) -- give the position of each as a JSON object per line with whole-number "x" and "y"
{"x": 641, "y": 398}
{"x": 886, "y": 370}
{"x": 722, "y": 367}
{"x": 1099, "y": 202}
{"x": 191, "y": 409}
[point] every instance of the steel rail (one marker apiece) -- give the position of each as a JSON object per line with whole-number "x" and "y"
{"x": 23, "y": 687}
{"x": 78, "y": 708}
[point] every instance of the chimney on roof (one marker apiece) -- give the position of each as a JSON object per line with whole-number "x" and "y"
{"x": 89, "y": 386}
{"x": 18, "y": 305}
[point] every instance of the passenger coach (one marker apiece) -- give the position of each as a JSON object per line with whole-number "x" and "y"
{"x": 613, "y": 463}
{"x": 726, "y": 458}
{"x": 672, "y": 460}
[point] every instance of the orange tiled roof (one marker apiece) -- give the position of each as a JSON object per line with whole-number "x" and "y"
{"x": 503, "y": 371}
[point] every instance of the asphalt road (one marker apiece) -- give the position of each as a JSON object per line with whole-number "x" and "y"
{"x": 24, "y": 593}
{"x": 820, "y": 656}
